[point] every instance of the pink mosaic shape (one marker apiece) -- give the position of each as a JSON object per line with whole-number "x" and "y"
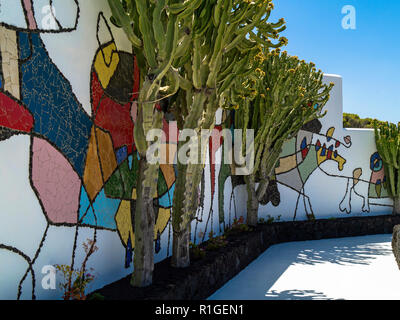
{"x": 57, "y": 184}
{"x": 30, "y": 17}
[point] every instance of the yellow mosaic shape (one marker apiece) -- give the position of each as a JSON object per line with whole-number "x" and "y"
{"x": 106, "y": 66}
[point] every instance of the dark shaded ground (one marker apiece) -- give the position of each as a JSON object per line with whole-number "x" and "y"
{"x": 167, "y": 279}
{"x": 207, "y": 275}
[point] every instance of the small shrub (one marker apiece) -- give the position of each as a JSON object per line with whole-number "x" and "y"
{"x": 270, "y": 220}
{"x": 215, "y": 243}
{"x": 77, "y": 280}
{"x": 74, "y": 289}
{"x": 196, "y": 251}
{"x": 238, "y": 226}
{"x": 96, "y": 296}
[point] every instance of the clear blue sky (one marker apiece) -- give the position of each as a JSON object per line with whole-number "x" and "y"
{"x": 367, "y": 58}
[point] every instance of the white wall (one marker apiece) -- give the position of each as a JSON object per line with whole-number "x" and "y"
{"x": 329, "y": 192}
{"x": 29, "y": 236}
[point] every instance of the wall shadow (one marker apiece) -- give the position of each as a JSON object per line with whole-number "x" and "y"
{"x": 255, "y": 281}
{"x": 358, "y": 250}
{"x": 297, "y": 295}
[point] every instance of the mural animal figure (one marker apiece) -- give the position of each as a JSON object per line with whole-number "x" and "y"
{"x": 313, "y": 152}
{"x": 301, "y": 157}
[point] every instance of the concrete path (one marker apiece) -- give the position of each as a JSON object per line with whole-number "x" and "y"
{"x": 358, "y": 268}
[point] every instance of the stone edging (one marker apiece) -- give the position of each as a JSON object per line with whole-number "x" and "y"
{"x": 205, "y": 276}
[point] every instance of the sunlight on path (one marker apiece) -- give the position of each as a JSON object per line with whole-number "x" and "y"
{"x": 359, "y": 268}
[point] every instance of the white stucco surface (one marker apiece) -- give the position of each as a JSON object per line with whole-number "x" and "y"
{"x": 326, "y": 171}
{"x": 358, "y": 268}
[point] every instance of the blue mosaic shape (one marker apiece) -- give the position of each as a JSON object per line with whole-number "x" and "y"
{"x": 122, "y": 154}
{"x": 48, "y": 95}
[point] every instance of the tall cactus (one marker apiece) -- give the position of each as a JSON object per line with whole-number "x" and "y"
{"x": 290, "y": 94}
{"x": 387, "y": 138}
{"x": 224, "y": 35}
{"x": 155, "y": 30}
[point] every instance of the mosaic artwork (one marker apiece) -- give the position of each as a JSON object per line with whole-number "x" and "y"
{"x": 69, "y": 82}
{"x": 82, "y": 168}
{"x": 323, "y": 172}
{"x": 79, "y": 161}
{"x": 300, "y": 159}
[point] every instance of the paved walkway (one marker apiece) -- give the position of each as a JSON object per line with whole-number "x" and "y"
{"x": 358, "y": 268}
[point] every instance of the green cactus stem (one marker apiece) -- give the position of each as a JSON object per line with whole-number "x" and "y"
{"x": 155, "y": 35}
{"x": 387, "y": 138}
{"x": 225, "y": 36}
{"x": 290, "y": 93}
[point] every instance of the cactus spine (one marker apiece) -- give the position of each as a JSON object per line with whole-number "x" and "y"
{"x": 290, "y": 94}
{"x": 387, "y": 138}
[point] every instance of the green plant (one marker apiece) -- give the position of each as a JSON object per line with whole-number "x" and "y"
{"x": 238, "y": 226}
{"x": 351, "y": 120}
{"x": 76, "y": 281}
{"x": 197, "y": 251}
{"x": 216, "y": 243}
{"x": 225, "y": 36}
{"x": 96, "y": 297}
{"x": 157, "y": 31}
{"x": 262, "y": 221}
{"x": 270, "y": 219}
{"x": 289, "y": 94}
{"x": 387, "y": 138}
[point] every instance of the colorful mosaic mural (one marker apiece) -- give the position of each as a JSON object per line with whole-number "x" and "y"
{"x": 69, "y": 81}
{"x": 82, "y": 167}
{"x": 80, "y": 160}
{"x": 324, "y": 166}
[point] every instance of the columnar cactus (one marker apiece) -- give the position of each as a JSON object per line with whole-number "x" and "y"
{"x": 387, "y": 138}
{"x": 290, "y": 94}
{"x": 156, "y": 31}
{"x": 224, "y": 35}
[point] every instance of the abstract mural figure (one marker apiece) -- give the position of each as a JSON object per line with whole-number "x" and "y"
{"x": 300, "y": 158}
{"x": 83, "y": 169}
{"x": 377, "y": 181}
{"x": 36, "y": 100}
{"x": 68, "y": 154}
{"x": 368, "y": 191}
{"x": 304, "y": 155}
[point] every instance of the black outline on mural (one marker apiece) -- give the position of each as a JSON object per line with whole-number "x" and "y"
{"x": 28, "y": 261}
{"x": 37, "y": 30}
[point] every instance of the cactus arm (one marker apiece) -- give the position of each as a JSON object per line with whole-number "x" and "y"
{"x": 289, "y": 92}
{"x": 144, "y": 23}
{"x": 197, "y": 83}
{"x": 158, "y": 26}
{"x": 119, "y": 13}
{"x": 387, "y": 138}
{"x": 216, "y": 75}
{"x": 145, "y": 27}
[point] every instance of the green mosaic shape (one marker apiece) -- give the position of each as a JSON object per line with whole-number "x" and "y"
{"x": 288, "y": 148}
{"x": 123, "y": 180}
{"x": 162, "y": 187}
{"x": 308, "y": 166}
